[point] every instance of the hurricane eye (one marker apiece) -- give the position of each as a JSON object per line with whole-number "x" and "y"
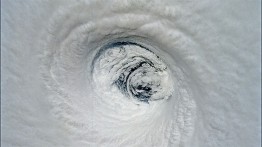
{"x": 136, "y": 71}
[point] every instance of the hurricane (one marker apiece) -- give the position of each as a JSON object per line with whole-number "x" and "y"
{"x": 132, "y": 73}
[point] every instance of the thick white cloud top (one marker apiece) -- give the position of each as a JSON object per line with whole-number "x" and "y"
{"x": 131, "y": 73}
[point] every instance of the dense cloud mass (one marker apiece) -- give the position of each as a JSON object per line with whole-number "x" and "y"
{"x": 131, "y": 73}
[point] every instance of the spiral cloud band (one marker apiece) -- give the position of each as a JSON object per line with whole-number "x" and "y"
{"x": 130, "y": 73}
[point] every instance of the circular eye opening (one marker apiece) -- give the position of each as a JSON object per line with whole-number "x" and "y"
{"x": 132, "y": 68}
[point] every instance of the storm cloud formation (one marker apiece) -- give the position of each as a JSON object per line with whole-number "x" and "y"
{"x": 131, "y": 73}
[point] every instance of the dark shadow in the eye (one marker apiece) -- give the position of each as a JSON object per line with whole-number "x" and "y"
{"x": 142, "y": 93}
{"x": 121, "y": 82}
